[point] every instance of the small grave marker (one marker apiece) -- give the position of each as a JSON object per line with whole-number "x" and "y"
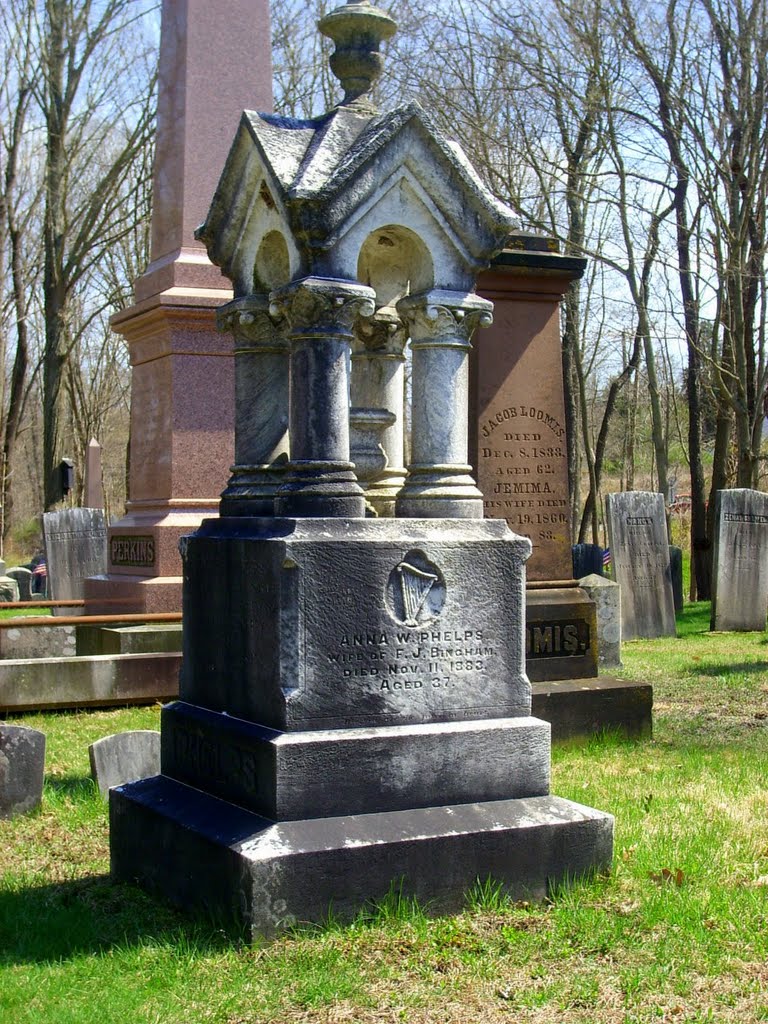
{"x": 124, "y": 757}
{"x": 22, "y": 766}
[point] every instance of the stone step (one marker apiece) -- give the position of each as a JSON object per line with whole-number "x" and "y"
{"x": 258, "y": 877}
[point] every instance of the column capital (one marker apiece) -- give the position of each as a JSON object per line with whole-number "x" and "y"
{"x": 441, "y": 317}
{"x": 253, "y": 324}
{"x": 317, "y": 306}
{"x": 380, "y": 336}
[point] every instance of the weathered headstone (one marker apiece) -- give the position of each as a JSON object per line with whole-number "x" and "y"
{"x": 124, "y": 757}
{"x": 637, "y": 536}
{"x": 23, "y": 577}
{"x": 22, "y": 768}
{"x": 676, "y": 570}
{"x": 9, "y": 589}
{"x": 740, "y": 579}
{"x": 366, "y": 642}
{"x": 587, "y": 560}
{"x": 75, "y": 548}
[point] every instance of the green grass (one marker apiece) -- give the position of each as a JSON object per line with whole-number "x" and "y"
{"x": 13, "y": 613}
{"x": 678, "y": 932}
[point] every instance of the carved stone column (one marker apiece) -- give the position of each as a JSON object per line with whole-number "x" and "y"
{"x": 439, "y": 482}
{"x": 378, "y": 370}
{"x": 320, "y": 313}
{"x": 261, "y": 406}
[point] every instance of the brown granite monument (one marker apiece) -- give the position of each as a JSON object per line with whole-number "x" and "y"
{"x": 518, "y": 450}
{"x": 182, "y": 421}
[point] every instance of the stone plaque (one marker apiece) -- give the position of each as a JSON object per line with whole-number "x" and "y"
{"x": 135, "y": 551}
{"x": 740, "y": 578}
{"x": 22, "y": 766}
{"x": 75, "y": 548}
{"x": 560, "y": 633}
{"x": 637, "y": 536}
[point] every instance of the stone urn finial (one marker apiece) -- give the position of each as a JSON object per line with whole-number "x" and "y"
{"x": 358, "y": 30}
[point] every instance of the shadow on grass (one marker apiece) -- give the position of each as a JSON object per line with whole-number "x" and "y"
{"x": 747, "y": 668}
{"x": 74, "y": 786}
{"x": 53, "y": 922}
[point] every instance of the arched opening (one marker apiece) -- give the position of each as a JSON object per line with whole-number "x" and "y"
{"x": 272, "y": 267}
{"x": 395, "y": 262}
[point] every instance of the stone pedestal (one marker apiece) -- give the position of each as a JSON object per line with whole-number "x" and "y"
{"x": 182, "y": 420}
{"x": 366, "y": 721}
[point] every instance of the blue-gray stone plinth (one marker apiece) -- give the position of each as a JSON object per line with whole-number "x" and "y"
{"x": 260, "y": 876}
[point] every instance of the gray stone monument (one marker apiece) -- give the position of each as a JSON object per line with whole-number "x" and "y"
{"x": 354, "y": 711}
{"x": 75, "y": 548}
{"x": 124, "y": 757}
{"x": 740, "y": 578}
{"x": 22, "y": 767}
{"x": 637, "y": 536}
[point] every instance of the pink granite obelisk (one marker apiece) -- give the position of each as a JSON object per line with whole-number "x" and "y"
{"x": 215, "y": 61}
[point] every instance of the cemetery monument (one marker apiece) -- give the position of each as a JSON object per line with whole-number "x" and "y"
{"x": 354, "y": 711}
{"x": 181, "y": 367}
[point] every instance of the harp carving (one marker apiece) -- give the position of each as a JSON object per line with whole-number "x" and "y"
{"x": 415, "y": 585}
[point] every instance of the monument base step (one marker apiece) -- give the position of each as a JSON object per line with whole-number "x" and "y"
{"x": 117, "y": 594}
{"x": 583, "y": 707}
{"x": 259, "y": 877}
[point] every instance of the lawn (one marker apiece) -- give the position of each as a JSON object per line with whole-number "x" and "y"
{"x": 678, "y": 932}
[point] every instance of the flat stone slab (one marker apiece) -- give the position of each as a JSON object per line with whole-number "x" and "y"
{"x": 583, "y": 707}
{"x": 261, "y": 877}
{"x": 22, "y": 768}
{"x": 37, "y": 684}
{"x": 124, "y": 757}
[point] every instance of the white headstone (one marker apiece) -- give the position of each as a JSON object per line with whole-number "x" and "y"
{"x": 637, "y": 536}
{"x": 740, "y": 579}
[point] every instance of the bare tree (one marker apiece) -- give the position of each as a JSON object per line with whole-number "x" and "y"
{"x": 94, "y": 92}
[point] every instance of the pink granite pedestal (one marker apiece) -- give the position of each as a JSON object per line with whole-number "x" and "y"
{"x": 214, "y": 63}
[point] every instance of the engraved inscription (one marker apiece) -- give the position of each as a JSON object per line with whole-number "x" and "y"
{"x": 556, "y": 639}
{"x": 215, "y": 761}
{"x": 412, "y": 659}
{"x": 523, "y": 473}
{"x": 744, "y": 517}
{"x": 132, "y": 551}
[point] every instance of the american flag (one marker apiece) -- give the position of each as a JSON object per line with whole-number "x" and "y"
{"x": 41, "y": 569}
{"x": 607, "y": 558}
